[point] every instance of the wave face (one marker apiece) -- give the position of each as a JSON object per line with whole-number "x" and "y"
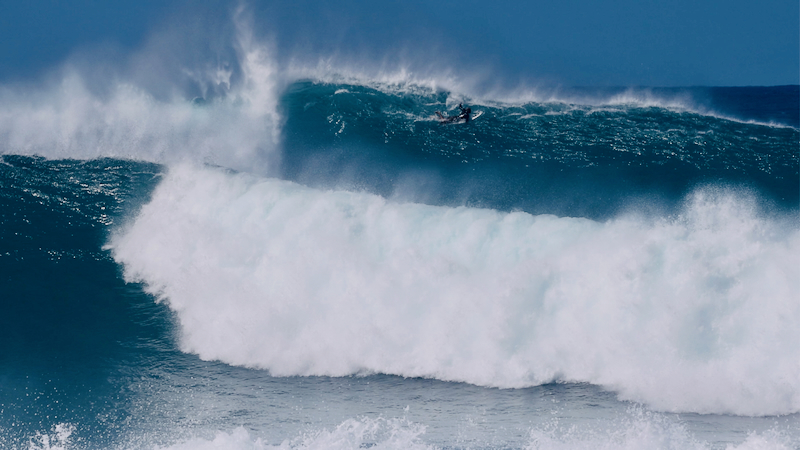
{"x": 541, "y": 157}
{"x": 691, "y": 313}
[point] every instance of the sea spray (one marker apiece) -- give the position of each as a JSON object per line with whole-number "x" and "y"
{"x": 689, "y": 313}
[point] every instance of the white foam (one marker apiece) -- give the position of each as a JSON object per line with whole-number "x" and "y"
{"x": 636, "y": 429}
{"x": 694, "y": 313}
{"x": 352, "y": 434}
{"x": 59, "y": 438}
{"x": 642, "y": 430}
{"x": 770, "y": 440}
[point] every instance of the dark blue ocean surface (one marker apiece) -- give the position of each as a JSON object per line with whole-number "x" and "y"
{"x": 68, "y": 319}
{"x": 606, "y": 273}
{"x": 558, "y": 158}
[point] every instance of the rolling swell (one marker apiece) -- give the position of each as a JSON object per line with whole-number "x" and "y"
{"x": 554, "y": 157}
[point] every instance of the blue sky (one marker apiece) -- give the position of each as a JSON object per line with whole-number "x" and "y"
{"x": 568, "y": 42}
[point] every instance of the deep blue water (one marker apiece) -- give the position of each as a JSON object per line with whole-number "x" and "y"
{"x": 609, "y": 270}
{"x": 543, "y": 158}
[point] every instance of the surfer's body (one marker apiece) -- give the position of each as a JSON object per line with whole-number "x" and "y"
{"x": 464, "y": 115}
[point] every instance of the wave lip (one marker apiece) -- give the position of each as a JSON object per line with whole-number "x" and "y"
{"x": 694, "y": 313}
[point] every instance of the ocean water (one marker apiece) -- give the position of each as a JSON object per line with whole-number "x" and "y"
{"x": 310, "y": 260}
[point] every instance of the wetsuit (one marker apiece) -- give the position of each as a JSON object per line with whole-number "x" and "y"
{"x": 465, "y": 115}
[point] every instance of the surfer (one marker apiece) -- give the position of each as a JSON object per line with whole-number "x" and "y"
{"x": 464, "y": 115}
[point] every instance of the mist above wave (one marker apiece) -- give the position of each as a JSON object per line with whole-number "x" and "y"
{"x": 212, "y": 95}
